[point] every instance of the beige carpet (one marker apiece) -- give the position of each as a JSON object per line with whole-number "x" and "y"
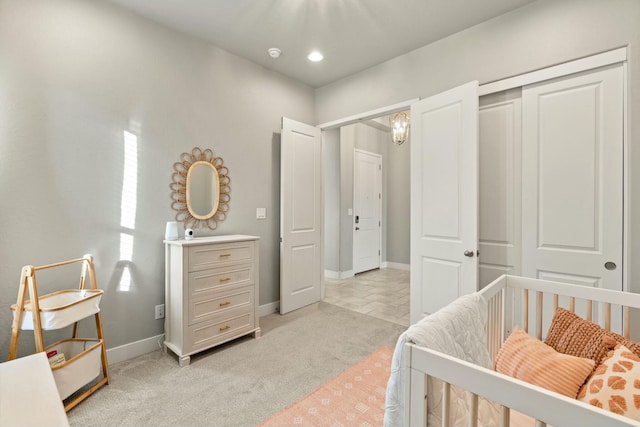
{"x": 240, "y": 384}
{"x": 353, "y": 398}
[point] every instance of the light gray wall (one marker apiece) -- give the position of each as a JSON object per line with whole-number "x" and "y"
{"x": 74, "y": 74}
{"x": 331, "y": 168}
{"x": 541, "y": 34}
{"x": 398, "y": 206}
{"x": 347, "y": 143}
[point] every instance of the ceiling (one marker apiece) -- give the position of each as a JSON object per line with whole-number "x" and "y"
{"x": 353, "y": 35}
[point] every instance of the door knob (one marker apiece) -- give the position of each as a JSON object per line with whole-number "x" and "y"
{"x": 610, "y": 265}
{"x": 468, "y": 253}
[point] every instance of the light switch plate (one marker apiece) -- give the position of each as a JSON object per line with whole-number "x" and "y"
{"x": 261, "y": 213}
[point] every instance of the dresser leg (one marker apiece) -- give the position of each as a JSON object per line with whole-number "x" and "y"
{"x": 257, "y": 333}
{"x": 184, "y": 360}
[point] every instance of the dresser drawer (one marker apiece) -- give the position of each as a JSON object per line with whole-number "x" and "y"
{"x": 204, "y": 282}
{"x": 211, "y": 256}
{"x": 206, "y": 334}
{"x": 218, "y": 303}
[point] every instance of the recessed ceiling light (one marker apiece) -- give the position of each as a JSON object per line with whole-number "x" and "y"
{"x": 315, "y": 56}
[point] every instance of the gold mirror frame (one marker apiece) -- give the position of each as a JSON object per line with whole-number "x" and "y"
{"x": 180, "y": 189}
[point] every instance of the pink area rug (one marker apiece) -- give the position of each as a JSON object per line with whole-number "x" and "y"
{"x": 353, "y": 398}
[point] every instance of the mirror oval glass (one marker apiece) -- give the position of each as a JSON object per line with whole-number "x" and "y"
{"x": 202, "y": 190}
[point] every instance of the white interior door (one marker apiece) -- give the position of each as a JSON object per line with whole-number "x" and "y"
{"x": 444, "y": 199}
{"x": 500, "y": 146}
{"x": 367, "y": 210}
{"x": 573, "y": 179}
{"x": 301, "y": 201}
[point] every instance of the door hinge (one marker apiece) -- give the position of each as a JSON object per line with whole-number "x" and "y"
{"x": 378, "y": 252}
{"x": 379, "y": 195}
{"x": 379, "y": 225}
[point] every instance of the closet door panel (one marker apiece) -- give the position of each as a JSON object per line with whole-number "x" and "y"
{"x": 500, "y": 185}
{"x": 572, "y": 178}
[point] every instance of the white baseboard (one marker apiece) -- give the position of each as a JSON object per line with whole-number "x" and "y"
{"x": 346, "y": 274}
{"x": 396, "y": 265}
{"x": 134, "y": 349}
{"x": 270, "y": 308}
{"x": 147, "y": 345}
{"x": 330, "y": 274}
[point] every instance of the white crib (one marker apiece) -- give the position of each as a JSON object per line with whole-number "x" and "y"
{"x": 530, "y": 304}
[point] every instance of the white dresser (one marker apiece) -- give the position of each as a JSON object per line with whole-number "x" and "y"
{"x": 211, "y": 292}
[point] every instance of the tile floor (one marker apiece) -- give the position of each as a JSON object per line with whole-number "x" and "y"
{"x": 380, "y": 293}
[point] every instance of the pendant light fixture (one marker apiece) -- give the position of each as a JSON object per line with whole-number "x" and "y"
{"x": 399, "y": 127}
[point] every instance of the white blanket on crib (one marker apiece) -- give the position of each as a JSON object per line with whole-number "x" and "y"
{"x": 459, "y": 331}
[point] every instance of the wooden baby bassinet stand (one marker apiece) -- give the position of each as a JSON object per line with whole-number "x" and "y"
{"x": 84, "y": 358}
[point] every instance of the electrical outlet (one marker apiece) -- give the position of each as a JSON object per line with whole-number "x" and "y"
{"x": 160, "y": 311}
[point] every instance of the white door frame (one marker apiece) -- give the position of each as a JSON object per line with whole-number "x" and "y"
{"x": 353, "y": 198}
{"x": 382, "y": 111}
{"x": 564, "y": 69}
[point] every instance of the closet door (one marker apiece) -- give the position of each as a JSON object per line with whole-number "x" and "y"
{"x": 444, "y": 199}
{"x": 572, "y": 179}
{"x": 500, "y": 185}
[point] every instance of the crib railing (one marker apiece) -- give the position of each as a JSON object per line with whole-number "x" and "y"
{"x": 530, "y": 304}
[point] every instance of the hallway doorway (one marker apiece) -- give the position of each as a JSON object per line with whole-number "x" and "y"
{"x": 381, "y": 293}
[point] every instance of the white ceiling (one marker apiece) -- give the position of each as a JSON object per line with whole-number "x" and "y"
{"x": 353, "y": 35}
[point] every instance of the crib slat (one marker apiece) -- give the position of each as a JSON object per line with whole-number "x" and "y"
{"x": 589, "y": 310}
{"x": 555, "y": 302}
{"x": 497, "y": 330}
{"x": 505, "y": 421}
{"x": 607, "y": 316}
{"x": 626, "y": 321}
{"x": 526, "y": 310}
{"x": 539, "y": 316}
{"x": 446, "y": 399}
{"x": 492, "y": 327}
{"x": 473, "y": 412}
{"x": 572, "y": 304}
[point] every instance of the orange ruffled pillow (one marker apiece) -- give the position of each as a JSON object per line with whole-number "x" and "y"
{"x": 529, "y": 359}
{"x": 615, "y": 385}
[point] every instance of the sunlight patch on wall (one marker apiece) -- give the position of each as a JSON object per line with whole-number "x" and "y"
{"x": 128, "y": 206}
{"x": 129, "y": 200}
{"x": 126, "y": 247}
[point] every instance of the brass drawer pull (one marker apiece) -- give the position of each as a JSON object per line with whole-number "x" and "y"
{"x": 224, "y": 255}
{"x": 224, "y": 328}
{"x": 224, "y": 279}
{"x": 224, "y": 304}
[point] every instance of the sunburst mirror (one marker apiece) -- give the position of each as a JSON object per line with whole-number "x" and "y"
{"x": 201, "y": 187}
